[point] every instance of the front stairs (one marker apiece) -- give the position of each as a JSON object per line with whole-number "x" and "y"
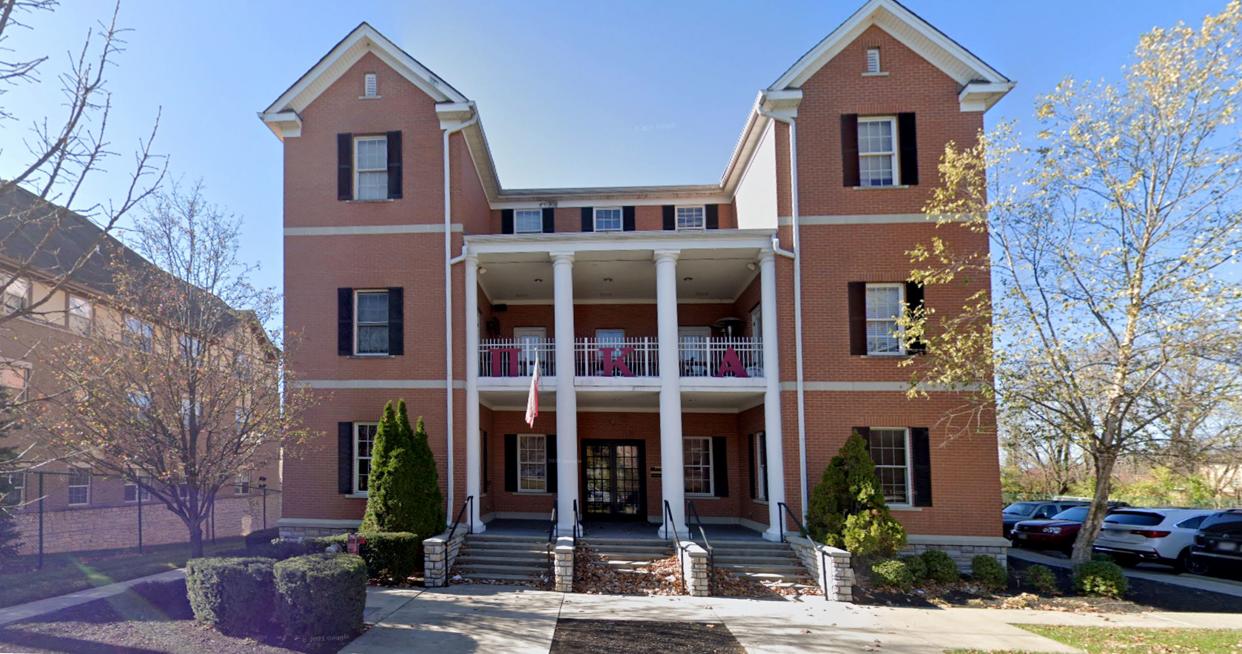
{"x": 629, "y": 555}
{"x": 772, "y": 564}
{"x": 495, "y": 557}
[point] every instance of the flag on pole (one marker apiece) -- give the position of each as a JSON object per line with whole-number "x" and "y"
{"x": 532, "y": 400}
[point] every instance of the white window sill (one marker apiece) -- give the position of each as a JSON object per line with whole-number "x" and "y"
{"x": 701, "y": 496}
{"x": 764, "y": 502}
{"x": 904, "y": 507}
{"x": 370, "y": 97}
{"x": 375, "y": 201}
{"x": 372, "y": 356}
{"x": 533, "y": 492}
{"x": 883, "y": 355}
{"x": 358, "y": 495}
{"x": 880, "y": 188}
{"x": 883, "y": 73}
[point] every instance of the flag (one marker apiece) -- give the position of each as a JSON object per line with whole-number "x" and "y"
{"x": 532, "y": 400}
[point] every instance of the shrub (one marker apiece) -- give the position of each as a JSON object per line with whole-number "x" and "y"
{"x": 1041, "y": 579}
{"x": 847, "y": 509}
{"x": 285, "y": 548}
{"x": 1100, "y": 578}
{"x": 917, "y": 568}
{"x": 391, "y": 557}
{"x": 940, "y": 566}
{"x": 893, "y": 573}
{"x": 429, "y": 518}
{"x": 988, "y": 571}
{"x": 321, "y": 597}
{"x": 235, "y": 595}
{"x": 403, "y": 485}
{"x": 261, "y": 537}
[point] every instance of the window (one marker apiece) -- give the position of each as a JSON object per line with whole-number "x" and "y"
{"x": 532, "y": 463}
{"x": 883, "y": 308}
{"x": 609, "y": 339}
{"x": 15, "y": 376}
{"x": 761, "y": 465}
{"x": 138, "y": 333}
{"x": 756, "y": 322}
{"x": 691, "y": 218}
{"x": 532, "y": 341}
{"x": 79, "y": 486}
{"x": 873, "y": 60}
{"x": 364, "y": 439}
{"x": 370, "y": 87}
{"x": 371, "y": 322}
{"x": 877, "y": 151}
{"x": 888, "y": 451}
{"x": 16, "y": 295}
{"x": 608, "y": 219}
{"x": 81, "y": 314}
{"x": 528, "y": 221}
{"x": 241, "y": 485}
{"x": 1192, "y": 523}
{"x": 697, "y": 459}
{"x": 694, "y": 349}
{"x": 131, "y": 492}
{"x": 11, "y": 487}
{"x": 371, "y": 168}
{"x": 191, "y": 346}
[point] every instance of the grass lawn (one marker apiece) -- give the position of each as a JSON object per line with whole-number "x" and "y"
{"x": 66, "y": 573}
{"x": 1126, "y": 640}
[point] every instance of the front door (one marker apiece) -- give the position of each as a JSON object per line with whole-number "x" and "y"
{"x": 613, "y": 482}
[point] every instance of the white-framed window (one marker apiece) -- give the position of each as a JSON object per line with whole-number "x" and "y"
{"x": 12, "y": 486}
{"x": 608, "y": 219}
{"x": 697, "y": 459}
{"x": 139, "y": 333}
{"x": 884, "y": 303}
{"x": 761, "y": 467}
{"x": 132, "y": 492}
{"x": 370, "y": 87}
{"x": 371, "y": 168}
{"x": 532, "y": 463}
{"x": 877, "y": 151}
{"x": 873, "y": 60}
{"x": 527, "y": 221}
{"x": 364, "y": 439}
{"x": 609, "y": 340}
{"x": 79, "y": 486}
{"x": 691, "y": 217}
{"x": 241, "y": 484}
{"x": 890, "y": 448}
{"x": 693, "y": 348}
{"x": 81, "y": 315}
{"x": 198, "y": 413}
{"x": 191, "y": 346}
{"x": 530, "y": 340}
{"x": 371, "y": 322}
{"x": 16, "y": 295}
{"x": 15, "y": 376}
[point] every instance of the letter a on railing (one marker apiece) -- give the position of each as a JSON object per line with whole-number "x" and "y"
{"x": 614, "y": 361}
{"x": 731, "y": 364}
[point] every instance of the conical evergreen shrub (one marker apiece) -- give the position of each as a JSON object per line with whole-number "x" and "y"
{"x": 383, "y": 500}
{"x": 427, "y": 516}
{"x": 847, "y": 508}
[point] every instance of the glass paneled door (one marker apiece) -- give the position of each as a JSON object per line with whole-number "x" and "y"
{"x": 613, "y": 482}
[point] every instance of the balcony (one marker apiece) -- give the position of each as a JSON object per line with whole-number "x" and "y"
{"x": 699, "y": 357}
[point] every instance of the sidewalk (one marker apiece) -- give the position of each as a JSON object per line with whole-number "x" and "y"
{"x": 21, "y": 612}
{"x": 1196, "y": 582}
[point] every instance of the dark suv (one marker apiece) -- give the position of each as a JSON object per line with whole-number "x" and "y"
{"x": 1038, "y": 510}
{"x": 1218, "y": 545}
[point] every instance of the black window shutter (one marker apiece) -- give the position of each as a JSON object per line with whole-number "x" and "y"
{"x": 849, "y": 149}
{"x": 588, "y": 219}
{"x": 396, "y": 321}
{"x": 914, "y": 300}
{"x": 511, "y": 463}
{"x": 627, "y": 219}
{"x": 670, "y": 218}
{"x": 720, "y": 466}
{"x": 549, "y": 220}
{"x": 394, "y": 165}
{"x": 908, "y": 149}
{"x": 344, "y": 321}
{"x": 750, "y": 464}
{"x": 483, "y": 443}
{"x": 763, "y": 458}
{"x": 345, "y": 458}
{"x": 712, "y": 212}
{"x": 506, "y": 221}
{"x": 549, "y": 453}
{"x": 344, "y": 166}
{"x": 858, "y": 317}
{"x": 921, "y": 456}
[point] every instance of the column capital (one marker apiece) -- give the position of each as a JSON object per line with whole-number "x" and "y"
{"x": 666, "y": 255}
{"x": 766, "y": 255}
{"x": 562, "y": 257}
{"x": 471, "y": 258}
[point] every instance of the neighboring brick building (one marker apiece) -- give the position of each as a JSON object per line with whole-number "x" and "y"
{"x": 665, "y": 318}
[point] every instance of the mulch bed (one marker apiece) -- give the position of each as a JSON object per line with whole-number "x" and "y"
{"x": 1143, "y": 595}
{"x": 152, "y": 617}
{"x": 623, "y": 636}
{"x": 592, "y": 574}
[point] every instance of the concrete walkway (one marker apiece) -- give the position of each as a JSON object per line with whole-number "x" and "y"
{"x": 482, "y": 618}
{"x": 21, "y": 612}
{"x": 1223, "y": 586}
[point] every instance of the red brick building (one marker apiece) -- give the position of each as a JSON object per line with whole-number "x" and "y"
{"x": 713, "y": 343}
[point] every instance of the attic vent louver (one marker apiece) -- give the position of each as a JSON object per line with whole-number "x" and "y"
{"x": 873, "y": 60}
{"x": 369, "y": 87}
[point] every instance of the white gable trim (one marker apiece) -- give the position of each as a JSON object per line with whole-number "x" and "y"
{"x": 905, "y": 26}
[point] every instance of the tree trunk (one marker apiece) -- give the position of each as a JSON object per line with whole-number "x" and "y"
{"x": 1099, "y": 508}
{"x": 196, "y": 539}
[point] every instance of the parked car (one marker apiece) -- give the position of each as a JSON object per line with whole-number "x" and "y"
{"x": 1218, "y": 545}
{"x": 1038, "y": 510}
{"x": 1154, "y": 535}
{"x": 1055, "y": 533}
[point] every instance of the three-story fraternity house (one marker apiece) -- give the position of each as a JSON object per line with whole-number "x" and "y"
{"x": 713, "y": 344}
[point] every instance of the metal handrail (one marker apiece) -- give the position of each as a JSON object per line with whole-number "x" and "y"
{"x": 670, "y": 525}
{"x": 823, "y": 556}
{"x": 551, "y": 546}
{"x": 789, "y": 512}
{"x": 577, "y": 521}
{"x": 457, "y": 521}
{"x": 711, "y": 555}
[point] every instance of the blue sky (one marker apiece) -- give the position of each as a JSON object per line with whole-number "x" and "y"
{"x": 586, "y": 93}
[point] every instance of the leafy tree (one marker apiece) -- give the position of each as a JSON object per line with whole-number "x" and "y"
{"x": 847, "y": 508}
{"x": 384, "y": 498}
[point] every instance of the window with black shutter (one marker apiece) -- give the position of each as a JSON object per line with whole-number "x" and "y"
{"x": 627, "y": 219}
{"x": 920, "y": 455}
{"x": 371, "y": 322}
{"x": 914, "y": 300}
{"x": 344, "y": 166}
{"x": 394, "y": 165}
{"x": 587, "y": 215}
{"x": 849, "y": 149}
{"x": 549, "y": 220}
{"x": 907, "y": 142}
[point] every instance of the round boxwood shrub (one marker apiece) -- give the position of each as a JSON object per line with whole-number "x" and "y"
{"x": 235, "y": 595}
{"x": 321, "y": 597}
{"x": 917, "y": 568}
{"x": 988, "y": 571}
{"x": 893, "y": 573}
{"x": 1041, "y": 579}
{"x": 940, "y": 566}
{"x": 1100, "y": 578}
{"x": 391, "y": 557}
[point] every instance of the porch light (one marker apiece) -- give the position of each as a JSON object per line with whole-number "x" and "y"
{"x": 538, "y": 280}
{"x": 687, "y": 279}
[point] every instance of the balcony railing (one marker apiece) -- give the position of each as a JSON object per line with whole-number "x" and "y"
{"x": 721, "y": 357}
{"x": 507, "y": 357}
{"x": 629, "y": 357}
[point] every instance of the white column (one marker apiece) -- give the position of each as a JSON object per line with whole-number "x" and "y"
{"x": 474, "y": 458}
{"x": 672, "y": 480}
{"x": 772, "y": 396}
{"x": 566, "y": 396}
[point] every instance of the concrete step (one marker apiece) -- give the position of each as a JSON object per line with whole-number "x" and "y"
{"x": 776, "y": 577}
{"x": 746, "y": 545}
{"x": 498, "y": 548}
{"x": 629, "y": 547}
{"x": 490, "y": 569}
{"x": 501, "y": 577}
{"x": 502, "y": 538}
{"x": 469, "y": 558}
{"x": 781, "y": 568}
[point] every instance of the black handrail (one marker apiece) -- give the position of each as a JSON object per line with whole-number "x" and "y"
{"x": 457, "y": 521}
{"x": 670, "y": 527}
{"x": 577, "y": 522}
{"x": 711, "y": 555}
{"x": 823, "y": 556}
{"x": 789, "y": 512}
{"x": 551, "y": 546}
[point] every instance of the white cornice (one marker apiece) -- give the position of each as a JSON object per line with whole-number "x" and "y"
{"x": 759, "y": 239}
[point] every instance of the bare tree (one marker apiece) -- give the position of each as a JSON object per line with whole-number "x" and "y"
{"x": 181, "y": 388}
{"x": 1115, "y": 246}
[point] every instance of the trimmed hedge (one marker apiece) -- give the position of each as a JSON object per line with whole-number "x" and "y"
{"x": 321, "y": 597}
{"x": 940, "y": 566}
{"x": 285, "y": 548}
{"x": 917, "y": 568}
{"x": 893, "y": 573}
{"x": 988, "y": 571}
{"x": 1100, "y": 578}
{"x": 391, "y": 557}
{"x": 235, "y": 595}
{"x": 1041, "y": 578}
{"x": 261, "y": 537}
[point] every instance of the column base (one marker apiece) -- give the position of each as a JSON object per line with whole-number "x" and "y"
{"x": 772, "y": 535}
{"x": 479, "y": 527}
{"x": 667, "y": 533}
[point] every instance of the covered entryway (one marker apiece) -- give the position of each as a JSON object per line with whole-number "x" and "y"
{"x": 613, "y": 480}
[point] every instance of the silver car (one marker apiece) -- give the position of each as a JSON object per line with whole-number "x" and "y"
{"x": 1131, "y": 536}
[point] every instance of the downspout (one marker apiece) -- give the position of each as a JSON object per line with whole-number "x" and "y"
{"x": 797, "y": 289}
{"x": 448, "y": 310}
